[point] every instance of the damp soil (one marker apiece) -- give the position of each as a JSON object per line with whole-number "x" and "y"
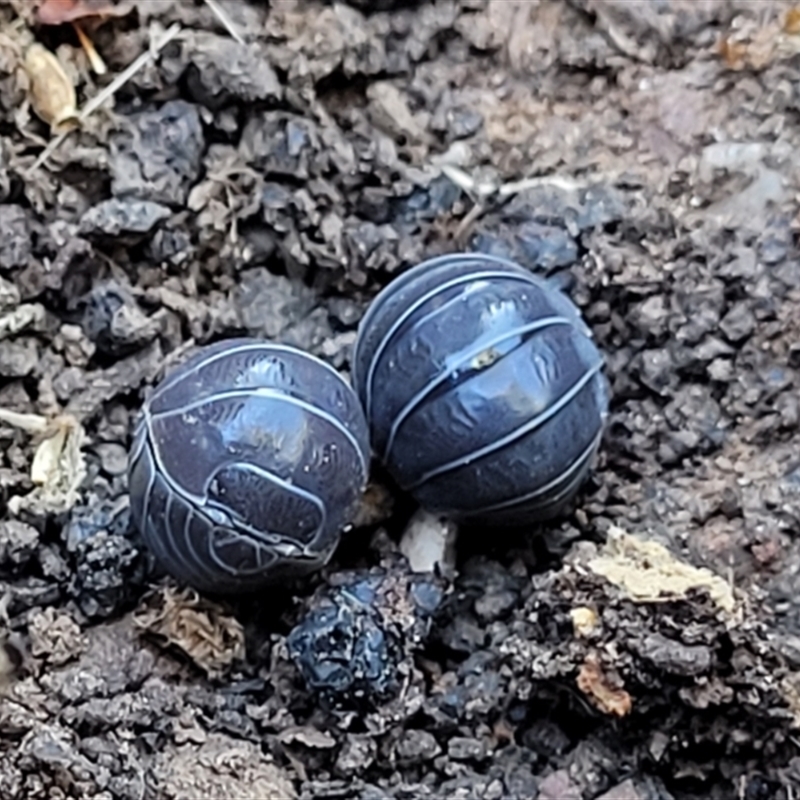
{"x": 266, "y": 178}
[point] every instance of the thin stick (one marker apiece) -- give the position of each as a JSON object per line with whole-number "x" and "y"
{"x": 223, "y": 18}
{"x": 107, "y": 92}
{"x": 98, "y": 65}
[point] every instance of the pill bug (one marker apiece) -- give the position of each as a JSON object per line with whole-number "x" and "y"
{"x": 246, "y": 464}
{"x": 483, "y": 389}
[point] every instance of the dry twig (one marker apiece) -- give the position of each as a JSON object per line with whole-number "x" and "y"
{"x": 107, "y": 92}
{"x": 220, "y": 14}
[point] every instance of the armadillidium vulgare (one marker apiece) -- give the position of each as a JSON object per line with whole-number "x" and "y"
{"x": 247, "y": 463}
{"x": 483, "y": 389}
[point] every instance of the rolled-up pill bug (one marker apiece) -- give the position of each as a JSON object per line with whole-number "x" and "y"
{"x": 483, "y": 389}
{"x": 247, "y": 463}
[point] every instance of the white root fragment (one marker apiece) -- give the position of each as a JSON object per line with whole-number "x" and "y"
{"x": 95, "y": 59}
{"x": 58, "y": 466}
{"x": 44, "y": 467}
{"x": 428, "y": 543}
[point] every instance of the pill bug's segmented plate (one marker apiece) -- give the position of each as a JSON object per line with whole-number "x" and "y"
{"x": 482, "y": 387}
{"x": 247, "y": 463}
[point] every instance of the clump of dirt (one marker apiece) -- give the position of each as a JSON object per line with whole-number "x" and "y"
{"x": 264, "y": 170}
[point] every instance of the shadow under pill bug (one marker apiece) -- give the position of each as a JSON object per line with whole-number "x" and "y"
{"x": 482, "y": 388}
{"x": 247, "y": 463}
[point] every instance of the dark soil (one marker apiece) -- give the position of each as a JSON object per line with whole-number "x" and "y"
{"x": 647, "y": 647}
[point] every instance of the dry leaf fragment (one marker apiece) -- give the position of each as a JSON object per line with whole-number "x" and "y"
{"x": 58, "y": 466}
{"x": 52, "y": 94}
{"x": 58, "y": 12}
{"x": 200, "y": 628}
{"x": 47, "y": 466}
{"x": 649, "y": 573}
{"x": 600, "y": 690}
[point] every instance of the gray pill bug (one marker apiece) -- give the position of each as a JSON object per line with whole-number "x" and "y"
{"x": 247, "y": 463}
{"x": 483, "y": 389}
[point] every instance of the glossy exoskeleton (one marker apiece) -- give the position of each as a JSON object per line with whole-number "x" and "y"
{"x": 482, "y": 388}
{"x": 247, "y": 463}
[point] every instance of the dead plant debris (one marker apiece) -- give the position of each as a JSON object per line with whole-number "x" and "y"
{"x": 647, "y": 572}
{"x": 52, "y": 93}
{"x": 602, "y": 690}
{"x": 211, "y": 638}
